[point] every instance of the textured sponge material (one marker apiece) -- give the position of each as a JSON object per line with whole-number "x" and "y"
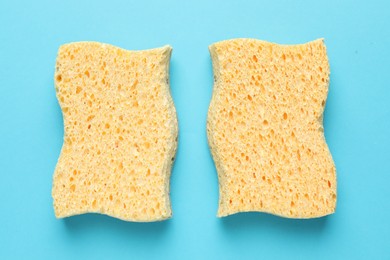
{"x": 120, "y": 132}
{"x": 265, "y": 128}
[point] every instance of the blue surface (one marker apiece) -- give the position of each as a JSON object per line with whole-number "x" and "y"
{"x": 357, "y": 123}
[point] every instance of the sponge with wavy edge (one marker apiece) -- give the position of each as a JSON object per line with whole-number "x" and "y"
{"x": 120, "y": 132}
{"x": 265, "y": 128}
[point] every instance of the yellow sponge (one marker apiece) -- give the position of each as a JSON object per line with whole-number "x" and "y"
{"x": 120, "y": 132}
{"x": 265, "y": 128}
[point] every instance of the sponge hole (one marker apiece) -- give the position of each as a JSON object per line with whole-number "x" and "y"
{"x": 231, "y": 114}
{"x": 254, "y": 58}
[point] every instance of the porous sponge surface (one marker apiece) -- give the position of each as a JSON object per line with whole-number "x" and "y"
{"x": 120, "y": 132}
{"x": 265, "y": 128}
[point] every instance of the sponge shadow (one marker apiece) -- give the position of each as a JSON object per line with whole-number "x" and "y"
{"x": 92, "y": 222}
{"x": 265, "y": 221}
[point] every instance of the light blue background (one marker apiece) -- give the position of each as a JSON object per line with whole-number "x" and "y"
{"x": 357, "y": 123}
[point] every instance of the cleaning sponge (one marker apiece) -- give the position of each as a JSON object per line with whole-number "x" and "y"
{"x": 265, "y": 128}
{"x": 120, "y": 132}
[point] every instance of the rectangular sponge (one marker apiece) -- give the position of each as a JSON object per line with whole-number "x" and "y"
{"x": 265, "y": 128}
{"x": 120, "y": 133}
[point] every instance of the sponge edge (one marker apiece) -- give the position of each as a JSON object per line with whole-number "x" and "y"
{"x": 120, "y": 134}
{"x": 265, "y": 128}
